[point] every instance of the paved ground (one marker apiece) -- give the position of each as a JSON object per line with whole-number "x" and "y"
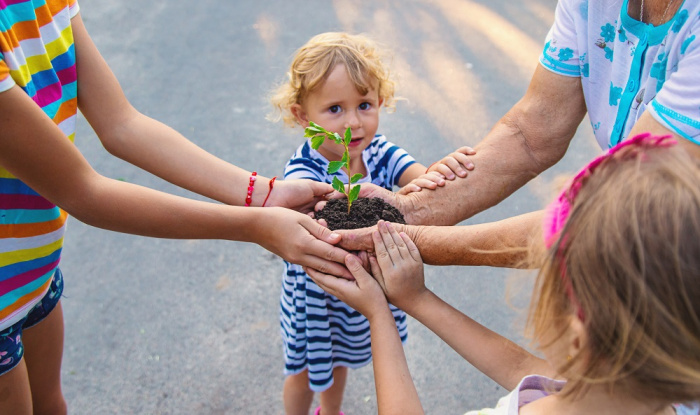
{"x": 190, "y": 327}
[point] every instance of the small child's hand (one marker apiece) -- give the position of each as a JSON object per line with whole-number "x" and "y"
{"x": 398, "y": 266}
{"x": 363, "y": 294}
{"x": 426, "y": 181}
{"x": 455, "y": 163}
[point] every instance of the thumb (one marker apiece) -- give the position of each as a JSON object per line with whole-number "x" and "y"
{"x": 321, "y": 189}
{"x": 321, "y": 232}
{"x": 354, "y": 264}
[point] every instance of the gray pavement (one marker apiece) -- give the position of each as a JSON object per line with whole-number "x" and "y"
{"x": 191, "y": 327}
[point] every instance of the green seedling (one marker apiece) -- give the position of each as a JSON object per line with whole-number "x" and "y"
{"x": 318, "y": 135}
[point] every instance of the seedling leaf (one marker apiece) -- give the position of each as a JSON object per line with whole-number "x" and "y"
{"x": 354, "y": 192}
{"x": 338, "y": 185}
{"x": 348, "y": 136}
{"x": 355, "y": 177}
{"x": 317, "y": 141}
{"x": 334, "y": 166}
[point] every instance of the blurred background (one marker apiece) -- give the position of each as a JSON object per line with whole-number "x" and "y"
{"x": 191, "y": 327}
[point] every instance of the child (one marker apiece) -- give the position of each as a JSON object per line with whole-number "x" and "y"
{"x": 338, "y": 81}
{"x": 49, "y": 68}
{"x": 614, "y": 312}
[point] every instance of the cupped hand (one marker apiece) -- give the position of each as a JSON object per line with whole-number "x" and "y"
{"x": 363, "y": 294}
{"x": 301, "y": 240}
{"x": 456, "y": 163}
{"x": 301, "y": 195}
{"x": 398, "y": 266}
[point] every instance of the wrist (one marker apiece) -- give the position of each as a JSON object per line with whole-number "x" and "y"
{"x": 419, "y": 303}
{"x": 379, "y": 313}
{"x": 258, "y": 190}
{"x": 251, "y": 225}
{"x": 414, "y": 209}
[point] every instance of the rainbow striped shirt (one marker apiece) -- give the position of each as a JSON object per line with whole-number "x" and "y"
{"x": 37, "y": 54}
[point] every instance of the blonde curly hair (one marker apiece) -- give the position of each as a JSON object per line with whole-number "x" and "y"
{"x": 313, "y": 63}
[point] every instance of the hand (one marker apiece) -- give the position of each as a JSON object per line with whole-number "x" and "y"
{"x": 367, "y": 190}
{"x": 398, "y": 266}
{"x": 429, "y": 181}
{"x": 301, "y": 195}
{"x": 363, "y": 294}
{"x": 455, "y": 163}
{"x": 301, "y": 240}
{"x": 361, "y": 239}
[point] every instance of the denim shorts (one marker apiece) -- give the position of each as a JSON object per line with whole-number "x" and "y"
{"x": 11, "y": 349}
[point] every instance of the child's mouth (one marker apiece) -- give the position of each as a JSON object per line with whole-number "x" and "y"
{"x": 355, "y": 142}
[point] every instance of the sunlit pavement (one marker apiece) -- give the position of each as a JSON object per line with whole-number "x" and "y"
{"x": 191, "y": 327}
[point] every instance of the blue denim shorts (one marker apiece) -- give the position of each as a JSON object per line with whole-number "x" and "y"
{"x": 11, "y": 349}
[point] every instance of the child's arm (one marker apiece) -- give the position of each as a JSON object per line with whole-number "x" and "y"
{"x": 494, "y": 355}
{"x": 155, "y": 147}
{"x": 396, "y": 393}
{"x": 35, "y": 150}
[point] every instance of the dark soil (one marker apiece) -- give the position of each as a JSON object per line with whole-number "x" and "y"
{"x": 363, "y": 213}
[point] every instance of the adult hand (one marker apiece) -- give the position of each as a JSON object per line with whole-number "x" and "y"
{"x": 397, "y": 266}
{"x": 301, "y": 240}
{"x": 300, "y": 195}
{"x": 363, "y": 294}
{"x": 361, "y": 239}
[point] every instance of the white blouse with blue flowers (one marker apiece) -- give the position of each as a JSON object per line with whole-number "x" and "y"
{"x": 628, "y": 67}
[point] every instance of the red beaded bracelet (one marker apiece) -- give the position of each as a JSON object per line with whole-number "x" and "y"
{"x": 251, "y": 186}
{"x": 269, "y": 192}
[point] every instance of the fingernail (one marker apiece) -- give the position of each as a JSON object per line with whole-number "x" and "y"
{"x": 335, "y": 235}
{"x": 470, "y": 165}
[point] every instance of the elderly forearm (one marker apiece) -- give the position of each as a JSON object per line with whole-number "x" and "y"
{"x": 529, "y": 139}
{"x": 504, "y": 162}
{"x": 505, "y": 243}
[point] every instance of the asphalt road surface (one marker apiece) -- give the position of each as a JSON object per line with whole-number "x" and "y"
{"x": 191, "y": 327}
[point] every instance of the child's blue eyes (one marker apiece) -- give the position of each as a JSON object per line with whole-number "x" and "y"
{"x": 336, "y": 108}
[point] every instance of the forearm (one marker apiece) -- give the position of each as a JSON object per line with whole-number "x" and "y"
{"x": 124, "y": 207}
{"x": 147, "y": 143}
{"x": 497, "y": 357}
{"x": 530, "y": 138}
{"x": 502, "y": 165}
{"x": 396, "y": 393}
{"x": 505, "y": 243}
{"x": 162, "y": 151}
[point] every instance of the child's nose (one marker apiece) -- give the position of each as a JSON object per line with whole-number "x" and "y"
{"x": 353, "y": 121}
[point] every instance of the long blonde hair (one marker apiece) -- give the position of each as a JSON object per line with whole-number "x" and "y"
{"x": 627, "y": 262}
{"x": 314, "y": 61}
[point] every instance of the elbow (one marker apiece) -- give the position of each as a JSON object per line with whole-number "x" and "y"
{"x": 544, "y": 145}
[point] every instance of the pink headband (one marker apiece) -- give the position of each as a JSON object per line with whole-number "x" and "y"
{"x": 557, "y": 213}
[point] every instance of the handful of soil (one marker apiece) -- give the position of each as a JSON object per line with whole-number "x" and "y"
{"x": 363, "y": 213}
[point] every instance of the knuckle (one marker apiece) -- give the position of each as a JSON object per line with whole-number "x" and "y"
{"x": 322, "y": 268}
